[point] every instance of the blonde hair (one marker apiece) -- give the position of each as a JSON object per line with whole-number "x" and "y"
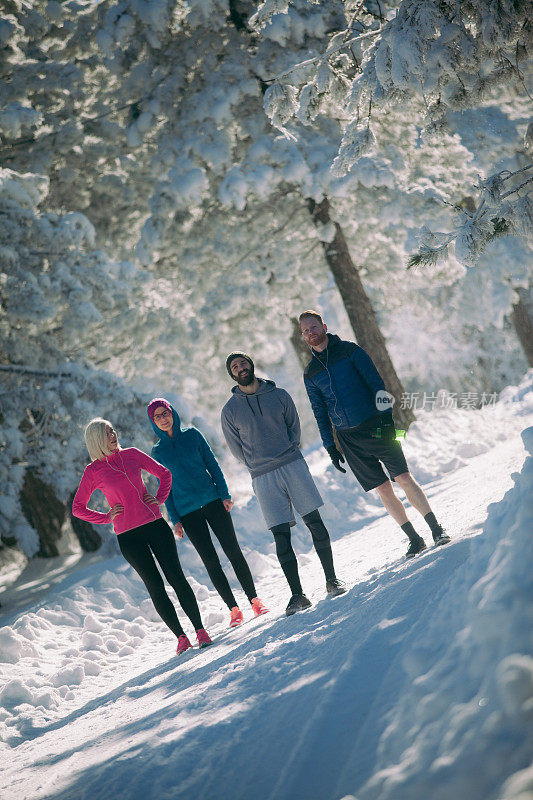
{"x": 96, "y": 438}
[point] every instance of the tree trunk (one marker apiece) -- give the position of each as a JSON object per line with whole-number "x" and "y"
{"x": 89, "y": 539}
{"x": 43, "y": 511}
{"x": 523, "y": 324}
{"x": 356, "y": 302}
{"x": 359, "y": 309}
{"x": 302, "y": 350}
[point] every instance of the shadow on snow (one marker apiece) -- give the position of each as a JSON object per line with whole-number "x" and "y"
{"x": 290, "y": 713}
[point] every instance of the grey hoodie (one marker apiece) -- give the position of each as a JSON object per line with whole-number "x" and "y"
{"x": 262, "y": 429}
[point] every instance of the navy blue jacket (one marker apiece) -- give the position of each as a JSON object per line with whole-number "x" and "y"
{"x": 342, "y": 383}
{"x": 196, "y": 476}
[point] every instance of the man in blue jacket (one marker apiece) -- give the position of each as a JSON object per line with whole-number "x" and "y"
{"x": 348, "y": 396}
{"x": 262, "y": 429}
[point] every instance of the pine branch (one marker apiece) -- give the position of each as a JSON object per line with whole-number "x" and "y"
{"x": 516, "y": 172}
{"x": 516, "y": 69}
{"x": 263, "y": 241}
{"x": 501, "y": 227}
{"x": 428, "y": 256}
{"x": 517, "y": 188}
{"x": 416, "y": 260}
{"x": 353, "y": 20}
{"x": 323, "y": 56}
{"x": 22, "y": 369}
{"x": 313, "y": 247}
{"x": 479, "y": 209}
{"x": 85, "y": 121}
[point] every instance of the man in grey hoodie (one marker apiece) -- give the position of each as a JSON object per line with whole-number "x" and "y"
{"x": 262, "y": 429}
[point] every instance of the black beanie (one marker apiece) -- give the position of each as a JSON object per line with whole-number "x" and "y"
{"x": 237, "y": 355}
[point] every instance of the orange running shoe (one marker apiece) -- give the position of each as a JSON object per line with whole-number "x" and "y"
{"x": 236, "y": 617}
{"x": 183, "y": 644}
{"x": 258, "y": 607}
{"x": 203, "y": 637}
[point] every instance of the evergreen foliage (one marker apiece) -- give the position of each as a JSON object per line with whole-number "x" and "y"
{"x": 153, "y": 219}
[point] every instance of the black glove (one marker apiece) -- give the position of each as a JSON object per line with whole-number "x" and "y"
{"x": 336, "y": 457}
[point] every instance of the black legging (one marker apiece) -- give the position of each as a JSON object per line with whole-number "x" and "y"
{"x": 287, "y": 557}
{"x": 195, "y": 526}
{"x": 139, "y": 546}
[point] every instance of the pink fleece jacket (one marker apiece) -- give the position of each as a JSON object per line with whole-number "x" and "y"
{"x": 119, "y": 478}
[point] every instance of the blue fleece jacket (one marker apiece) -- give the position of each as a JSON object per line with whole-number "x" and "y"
{"x": 196, "y": 476}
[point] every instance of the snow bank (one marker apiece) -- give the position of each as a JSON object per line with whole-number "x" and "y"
{"x": 47, "y": 652}
{"x": 465, "y": 713}
{"x": 417, "y": 683}
{"x": 444, "y": 439}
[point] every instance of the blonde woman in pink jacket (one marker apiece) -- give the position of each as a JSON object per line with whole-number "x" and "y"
{"x": 141, "y": 530}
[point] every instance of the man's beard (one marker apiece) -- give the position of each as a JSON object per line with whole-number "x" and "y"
{"x": 321, "y": 340}
{"x": 246, "y": 380}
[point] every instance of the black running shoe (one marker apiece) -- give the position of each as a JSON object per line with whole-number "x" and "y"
{"x": 335, "y": 587}
{"x": 440, "y": 537}
{"x": 416, "y": 547}
{"x": 297, "y": 603}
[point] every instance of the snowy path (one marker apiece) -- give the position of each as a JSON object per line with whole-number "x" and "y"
{"x": 291, "y": 709}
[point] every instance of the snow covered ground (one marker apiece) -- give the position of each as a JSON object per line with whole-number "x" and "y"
{"x": 416, "y": 684}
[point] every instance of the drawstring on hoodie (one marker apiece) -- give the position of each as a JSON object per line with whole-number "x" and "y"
{"x": 252, "y": 408}
{"x": 265, "y": 387}
{"x": 124, "y": 472}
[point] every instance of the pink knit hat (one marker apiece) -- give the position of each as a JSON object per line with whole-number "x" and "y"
{"x": 156, "y": 403}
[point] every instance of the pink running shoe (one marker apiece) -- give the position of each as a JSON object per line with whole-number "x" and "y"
{"x": 258, "y": 607}
{"x": 236, "y": 617}
{"x": 203, "y": 638}
{"x": 183, "y": 644}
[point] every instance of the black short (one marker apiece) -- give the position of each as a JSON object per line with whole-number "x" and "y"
{"x": 364, "y": 454}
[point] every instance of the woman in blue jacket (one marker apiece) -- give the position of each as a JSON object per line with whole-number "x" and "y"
{"x": 199, "y": 496}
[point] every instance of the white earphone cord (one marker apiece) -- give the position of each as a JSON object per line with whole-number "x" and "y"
{"x": 128, "y": 478}
{"x": 330, "y": 384}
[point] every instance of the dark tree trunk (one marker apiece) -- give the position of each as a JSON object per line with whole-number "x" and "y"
{"x": 523, "y": 324}
{"x": 346, "y": 276}
{"x": 43, "y": 511}
{"x": 359, "y": 309}
{"x": 302, "y": 350}
{"x": 239, "y": 13}
{"x": 89, "y": 539}
{"x": 46, "y": 514}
